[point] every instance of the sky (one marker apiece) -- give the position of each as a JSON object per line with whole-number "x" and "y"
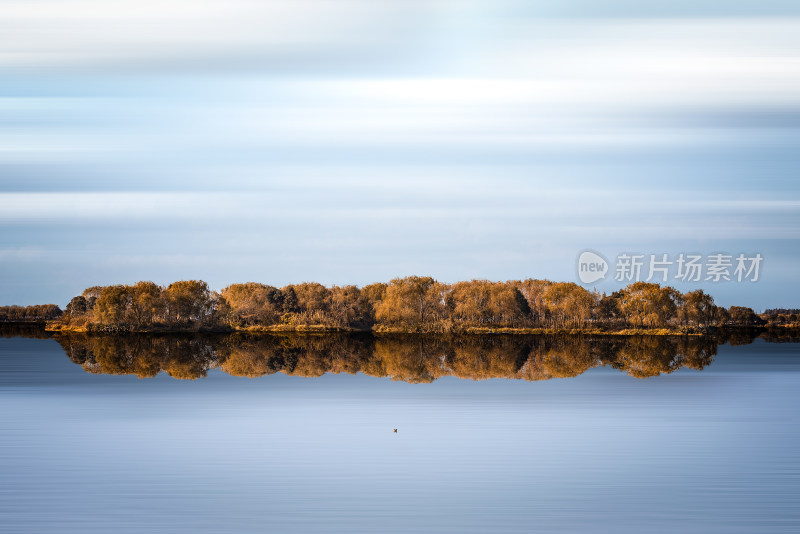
{"x": 354, "y": 141}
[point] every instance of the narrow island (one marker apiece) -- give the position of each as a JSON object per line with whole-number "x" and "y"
{"x": 414, "y": 304}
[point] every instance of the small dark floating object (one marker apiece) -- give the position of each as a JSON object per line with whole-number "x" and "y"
{"x": 395, "y": 431}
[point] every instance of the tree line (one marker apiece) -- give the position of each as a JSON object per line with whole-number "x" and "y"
{"x": 410, "y": 304}
{"x": 24, "y": 314}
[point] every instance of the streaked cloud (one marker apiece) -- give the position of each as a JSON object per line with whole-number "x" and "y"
{"x": 350, "y": 141}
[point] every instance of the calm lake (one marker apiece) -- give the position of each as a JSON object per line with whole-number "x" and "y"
{"x": 554, "y": 438}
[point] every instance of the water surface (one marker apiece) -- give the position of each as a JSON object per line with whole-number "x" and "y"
{"x": 713, "y": 448}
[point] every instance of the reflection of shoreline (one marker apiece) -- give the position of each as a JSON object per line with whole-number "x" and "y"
{"x": 400, "y": 357}
{"x": 407, "y": 357}
{"x": 755, "y": 331}
{"x": 734, "y": 334}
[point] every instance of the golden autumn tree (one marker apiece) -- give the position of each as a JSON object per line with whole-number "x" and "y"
{"x": 312, "y": 302}
{"x": 145, "y": 304}
{"x": 414, "y": 302}
{"x": 696, "y": 307}
{"x": 568, "y": 304}
{"x": 253, "y": 303}
{"x": 349, "y": 308}
{"x": 533, "y": 291}
{"x": 112, "y": 304}
{"x": 648, "y": 304}
{"x": 188, "y": 301}
{"x": 482, "y": 303}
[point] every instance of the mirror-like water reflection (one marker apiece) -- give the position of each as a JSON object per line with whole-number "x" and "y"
{"x": 695, "y": 452}
{"x": 406, "y": 358}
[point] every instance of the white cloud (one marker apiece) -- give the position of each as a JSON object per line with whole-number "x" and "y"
{"x": 75, "y": 32}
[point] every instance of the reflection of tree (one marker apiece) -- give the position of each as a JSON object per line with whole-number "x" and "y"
{"x": 409, "y": 358}
{"x": 560, "y": 357}
{"x": 698, "y": 353}
{"x": 412, "y": 358}
{"x": 143, "y": 356}
{"x": 738, "y": 336}
{"x": 253, "y": 356}
{"x": 30, "y": 331}
{"x": 488, "y": 357}
{"x": 647, "y": 356}
{"x": 567, "y": 360}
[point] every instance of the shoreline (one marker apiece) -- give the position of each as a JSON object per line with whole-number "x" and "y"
{"x": 56, "y": 328}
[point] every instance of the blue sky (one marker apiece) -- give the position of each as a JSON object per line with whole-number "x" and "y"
{"x": 352, "y": 142}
